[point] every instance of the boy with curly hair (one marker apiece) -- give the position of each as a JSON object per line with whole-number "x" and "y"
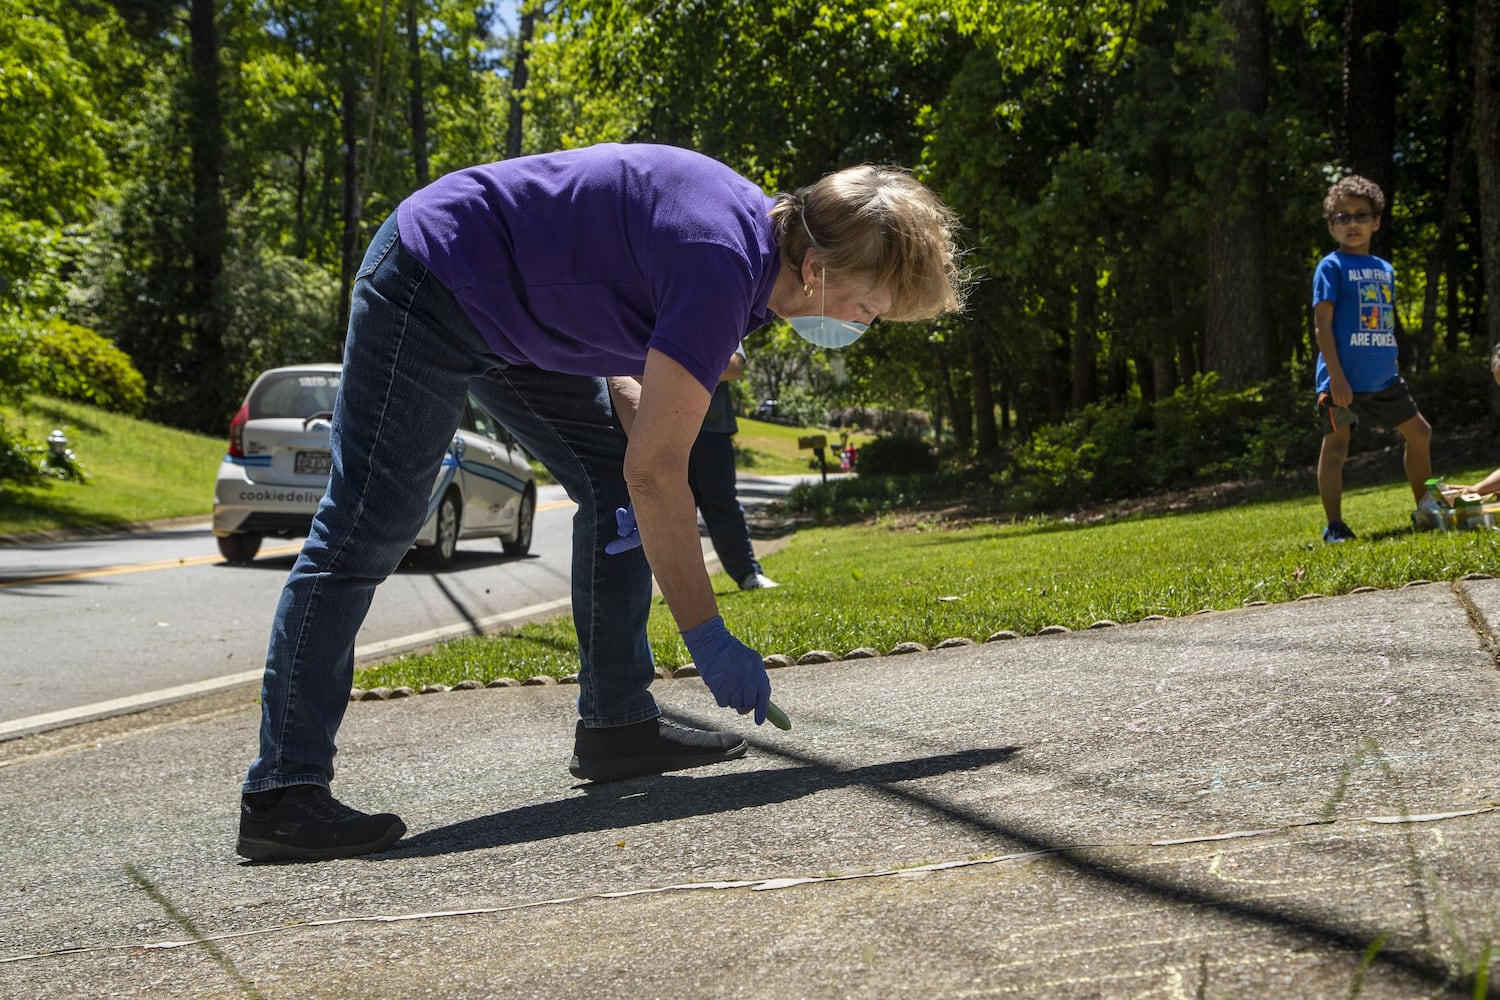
{"x": 1354, "y": 313}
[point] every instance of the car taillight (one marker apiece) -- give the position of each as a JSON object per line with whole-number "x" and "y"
{"x": 237, "y": 431}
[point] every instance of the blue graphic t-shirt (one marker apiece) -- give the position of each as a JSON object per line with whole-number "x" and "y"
{"x": 1363, "y": 292}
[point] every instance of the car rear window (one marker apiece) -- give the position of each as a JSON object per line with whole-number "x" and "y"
{"x": 294, "y": 394}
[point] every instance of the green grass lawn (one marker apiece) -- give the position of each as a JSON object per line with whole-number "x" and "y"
{"x": 881, "y": 583}
{"x": 137, "y": 471}
{"x": 892, "y": 579}
{"x": 767, "y": 449}
{"x": 140, "y": 471}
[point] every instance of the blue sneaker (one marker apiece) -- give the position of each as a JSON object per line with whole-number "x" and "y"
{"x": 1336, "y": 532}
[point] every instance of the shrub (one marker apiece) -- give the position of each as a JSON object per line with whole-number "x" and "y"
{"x": 15, "y": 359}
{"x": 74, "y": 362}
{"x": 1200, "y": 433}
{"x": 15, "y": 377}
{"x": 895, "y": 455}
{"x": 1456, "y": 394}
{"x": 866, "y": 496}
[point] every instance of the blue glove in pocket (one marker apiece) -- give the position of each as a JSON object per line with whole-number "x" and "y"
{"x": 735, "y": 673}
{"x": 630, "y": 536}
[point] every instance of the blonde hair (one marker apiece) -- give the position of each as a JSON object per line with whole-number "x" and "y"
{"x": 879, "y": 224}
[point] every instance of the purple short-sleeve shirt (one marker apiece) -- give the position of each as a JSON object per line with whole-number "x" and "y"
{"x": 580, "y": 261}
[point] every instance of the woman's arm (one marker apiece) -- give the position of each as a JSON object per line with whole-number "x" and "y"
{"x": 625, "y": 394}
{"x": 666, "y": 413}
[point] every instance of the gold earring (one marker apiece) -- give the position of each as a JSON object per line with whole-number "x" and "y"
{"x": 807, "y": 290}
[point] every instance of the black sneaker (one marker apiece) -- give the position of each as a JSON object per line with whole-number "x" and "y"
{"x": 306, "y": 823}
{"x": 649, "y": 747}
{"x": 1337, "y": 532}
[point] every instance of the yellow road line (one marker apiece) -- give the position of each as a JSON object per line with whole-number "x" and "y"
{"x": 121, "y": 570}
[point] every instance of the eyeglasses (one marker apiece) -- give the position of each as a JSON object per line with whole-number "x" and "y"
{"x": 1344, "y": 218}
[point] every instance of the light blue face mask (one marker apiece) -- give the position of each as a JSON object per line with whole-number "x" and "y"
{"x": 825, "y": 332}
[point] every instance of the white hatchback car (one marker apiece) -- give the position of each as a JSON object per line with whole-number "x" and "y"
{"x": 274, "y": 474}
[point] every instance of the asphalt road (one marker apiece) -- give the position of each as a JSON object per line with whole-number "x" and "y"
{"x": 1291, "y": 802}
{"x": 99, "y": 625}
{"x": 145, "y": 617}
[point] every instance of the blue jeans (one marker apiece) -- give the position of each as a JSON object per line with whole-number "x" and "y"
{"x": 711, "y": 475}
{"x": 410, "y": 359}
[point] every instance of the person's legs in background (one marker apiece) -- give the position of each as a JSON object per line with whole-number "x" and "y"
{"x": 566, "y": 422}
{"x": 711, "y": 474}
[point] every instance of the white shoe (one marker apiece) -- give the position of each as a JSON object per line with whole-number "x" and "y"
{"x": 758, "y": 581}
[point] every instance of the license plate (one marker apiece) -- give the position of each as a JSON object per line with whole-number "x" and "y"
{"x": 313, "y": 463}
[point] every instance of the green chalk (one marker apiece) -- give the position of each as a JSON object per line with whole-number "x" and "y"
{"x": 777, "y": 717}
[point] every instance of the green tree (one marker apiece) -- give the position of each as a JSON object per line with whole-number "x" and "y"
{"x": 1116, "y": 163}
{"x": 1372, "y": 70}
{"x": 1487, "y": 141}
{"x": 51, "y": 167}
{"x": 51, "y": 162}
{"x": 1237, "y": 332}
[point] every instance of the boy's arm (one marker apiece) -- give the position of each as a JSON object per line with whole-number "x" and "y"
{"x": 1338, "y": 384}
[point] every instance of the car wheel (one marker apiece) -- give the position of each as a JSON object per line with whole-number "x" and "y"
{"x": 439, "y": 555}
{"x": 239, "y": 548}
{"x": 525, "y": 520}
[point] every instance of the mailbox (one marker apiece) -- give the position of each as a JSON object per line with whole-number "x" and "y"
{"x": 817, "y": 442}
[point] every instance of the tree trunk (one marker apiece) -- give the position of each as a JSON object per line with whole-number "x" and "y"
{"x": 963, "y": 434}
{"x": 518, "y": 75}
{"x": 1450, "y": 269}
{"x": 986, "y": 439}
{"x": 1164, "y": 335}
{"x": 302, "y": 224}
{"x": 416, "y": 98}
{"x": 1085, "y": 340}
{"x": 207, "y": 393}
{"x": 1372, "y": 67}
{"x": 1057, "y": 408}
{"x": 1456, "y": 140}
{"x": 1163, "y": 374}
{"x": 1188, "y": 360}
{"x": 1455, "y": 144}
{"x": 1117, "y": 380}
{"x": 1486, "y": 61}
{"x": 1237, "y": 326}
{"x": 1187, "y": 344}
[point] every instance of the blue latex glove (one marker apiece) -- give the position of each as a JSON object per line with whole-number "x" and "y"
{"x": 630, "y": 536}
{"x": 733, "y": 671}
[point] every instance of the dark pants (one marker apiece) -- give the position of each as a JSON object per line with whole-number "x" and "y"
{"x": 711, "y": 474}
{"x": 410, "y": 360}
